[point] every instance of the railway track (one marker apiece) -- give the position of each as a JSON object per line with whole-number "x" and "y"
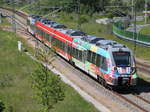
{"x": 140, "y": 103}
{"x": 143, "y": 67}
{"x": 131, "y": 100}
{"x": 137, "y": 103}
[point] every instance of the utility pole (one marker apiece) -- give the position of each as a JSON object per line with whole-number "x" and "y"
{"x": 134, "y": 33}
{"x": 13, "y": 16}
{"x": 78, "y": 12}
{"x": 132, "y": 9}
{"x": 145, "y": 11}
{"x": 0, "y": 17}
{"x": 134, "y": 18}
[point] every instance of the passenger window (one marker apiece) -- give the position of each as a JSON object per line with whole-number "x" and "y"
{"x": 98, "y": 58}
{"x": 104, "y": 63}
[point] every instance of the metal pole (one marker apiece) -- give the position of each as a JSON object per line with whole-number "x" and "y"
{"x": 145, "y": 11}
{"x": 13, "y": 17}
{"x": 132, "y": 8}
{"x": 135, "y": 34}
{"x": 0, "y": 17}
{"x": 78, "y": 11}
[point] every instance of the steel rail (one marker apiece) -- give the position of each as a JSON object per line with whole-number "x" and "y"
{"x": 131, "y": 102}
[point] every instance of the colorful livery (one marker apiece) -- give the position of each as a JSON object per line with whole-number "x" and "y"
{"x": 108, "y": 61}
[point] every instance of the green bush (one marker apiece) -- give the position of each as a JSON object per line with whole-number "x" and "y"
{"x": 2, "y": 106}
{"x": 84, "y": 19}
{"x": 110, "y": 15}
{"x": 148, "y": 17}
{"x": 5, "y": 80}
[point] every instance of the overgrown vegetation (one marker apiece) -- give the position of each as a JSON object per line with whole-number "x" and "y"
{"x": 47, "y": 86}
{"x": 2, "y": 106}
{"x": 145, "y": 30}
{"x": 4, "y": 22}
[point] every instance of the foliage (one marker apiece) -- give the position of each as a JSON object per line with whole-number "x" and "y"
{"x": 86, "y": 5}
{"x": 110, "y": 15}
{"x": 5, "y": 80}
{"x": 2, "y": 106}
{"x": 83, "y": 19}
{"x": 148, "y": 18}
{"x": 47, "y": 86}
{"x": 145, "y": 30}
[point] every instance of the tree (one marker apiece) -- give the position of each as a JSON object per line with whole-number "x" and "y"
{"x": 47, "y": 86}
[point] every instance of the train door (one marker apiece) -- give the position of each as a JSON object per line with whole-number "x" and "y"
{"x": 65, "y": 48}
{"x": 85, "y": 53}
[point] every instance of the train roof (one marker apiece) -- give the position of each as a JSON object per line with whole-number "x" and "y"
{"x": 73, "y": 32}
{"x": 98, "y": 41}
{"x": 34, "y": 16}
{"x": 58, "y": 26}
{"x": 46, "y": 21}
{"x": 92, "y": 39}
{"x": 109, "y": 43}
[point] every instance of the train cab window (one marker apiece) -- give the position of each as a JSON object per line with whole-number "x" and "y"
{"x": 122, "y": 58}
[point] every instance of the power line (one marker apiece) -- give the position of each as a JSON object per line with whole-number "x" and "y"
{"x": 133, "y": 6}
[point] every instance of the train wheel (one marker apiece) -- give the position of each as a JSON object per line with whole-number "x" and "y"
{"x": 104, "y": 83}
{"x": 71, "y": 62}
{"x": 99, "y": 79}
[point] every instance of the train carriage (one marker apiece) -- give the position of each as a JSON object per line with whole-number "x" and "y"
{"x": 108, "y": 61}
{"x": 31, "y": 23}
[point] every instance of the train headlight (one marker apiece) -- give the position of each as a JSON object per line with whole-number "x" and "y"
{"x": 115, "y": 69}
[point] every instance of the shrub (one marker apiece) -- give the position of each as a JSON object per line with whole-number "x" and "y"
{"x": 5, "y": 80}
{"x": 110, "y": 15}
{"x": 2, "y": 106}
{"x": 83, "y": 19}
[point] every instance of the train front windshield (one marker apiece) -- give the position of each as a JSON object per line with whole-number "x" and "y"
{"x": 122, "y": 59}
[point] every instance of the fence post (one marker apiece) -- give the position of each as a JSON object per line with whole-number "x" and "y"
{"x": 0, "y": 17}
{"x": 19, "y": 45}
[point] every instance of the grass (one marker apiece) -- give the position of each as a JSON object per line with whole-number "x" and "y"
{"x": 145, "y": 30}
{"x": 16, "y": 92}
{"x": 18, "y": 67}
{"x": 144, "y": 78}
{"x": 141, "y": 22}
{"x": 4, "y": 22}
